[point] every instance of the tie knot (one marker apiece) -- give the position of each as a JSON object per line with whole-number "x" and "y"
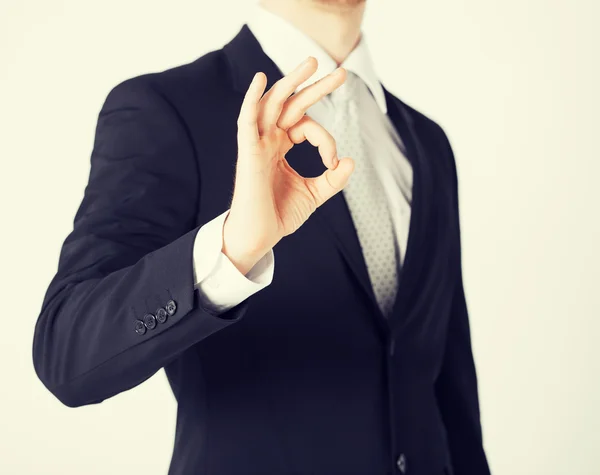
{"x": 347, "y": 91}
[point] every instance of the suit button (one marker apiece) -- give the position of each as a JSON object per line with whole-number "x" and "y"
{"x": 401, "y": 463}
{"x": 161, "y": 315}
{"x": 171, "y": 307}
{"x": 140, "y": 328}
{"x": 150, "y": 321}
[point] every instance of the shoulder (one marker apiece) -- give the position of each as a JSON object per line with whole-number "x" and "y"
{"x": 432, "y": 138}
{"x": 425, "y": 127}
{"x": 203, "y": 77}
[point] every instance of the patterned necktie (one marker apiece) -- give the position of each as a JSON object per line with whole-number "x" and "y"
{"x": 365, "y": 197}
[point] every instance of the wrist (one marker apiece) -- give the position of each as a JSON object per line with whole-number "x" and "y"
{"x": 242, "y": 260}
{"x": 242, "y": 254}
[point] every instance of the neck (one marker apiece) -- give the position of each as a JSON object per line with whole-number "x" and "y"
{"x": 334, "y": 25}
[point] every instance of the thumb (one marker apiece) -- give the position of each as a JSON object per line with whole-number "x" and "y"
{"x": 331, "y": 181}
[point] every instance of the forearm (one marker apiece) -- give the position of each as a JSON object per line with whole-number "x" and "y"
{"x": 86, "y": 347}
{"x": 129, "y": 254}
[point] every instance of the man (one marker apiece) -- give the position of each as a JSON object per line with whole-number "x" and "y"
{"x": 354, "y": 357}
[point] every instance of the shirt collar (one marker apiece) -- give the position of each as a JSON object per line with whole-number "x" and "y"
{"x": 287, "y": 47}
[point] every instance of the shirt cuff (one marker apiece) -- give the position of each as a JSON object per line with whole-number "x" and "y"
{"x": 220, "y": 284}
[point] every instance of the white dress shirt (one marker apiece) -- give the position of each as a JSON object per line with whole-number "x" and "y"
{"x": 221, "y": 285}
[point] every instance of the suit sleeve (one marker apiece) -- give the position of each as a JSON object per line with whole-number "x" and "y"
{"x": 456, "y": 386}
{"x": 101, "y": 330}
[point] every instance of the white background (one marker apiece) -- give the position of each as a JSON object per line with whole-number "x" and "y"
{"x": 515, "y": 84}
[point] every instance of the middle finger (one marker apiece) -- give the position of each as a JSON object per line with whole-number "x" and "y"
{"x": 297, "y": 105}
{"x": 272, "y": 102}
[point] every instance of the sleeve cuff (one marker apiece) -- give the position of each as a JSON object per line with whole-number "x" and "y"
{"x": 221, "y": 285}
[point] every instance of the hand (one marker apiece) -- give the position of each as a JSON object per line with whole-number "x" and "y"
{"x": 270, "y": 199}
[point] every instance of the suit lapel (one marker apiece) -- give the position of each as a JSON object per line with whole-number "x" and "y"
{"x": 335, "y": 219}
{"x": 420, "y": 209}
{"x": 246, "y": 57}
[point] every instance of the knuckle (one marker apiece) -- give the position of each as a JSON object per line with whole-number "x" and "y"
{"x": 286, "y": 123}
{"x": 328, "y": 181}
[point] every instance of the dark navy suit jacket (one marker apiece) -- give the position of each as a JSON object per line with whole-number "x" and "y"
{"x": 305, "y": 377}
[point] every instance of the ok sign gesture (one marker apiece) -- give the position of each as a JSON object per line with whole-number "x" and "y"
{"x": 271, "y": 200}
